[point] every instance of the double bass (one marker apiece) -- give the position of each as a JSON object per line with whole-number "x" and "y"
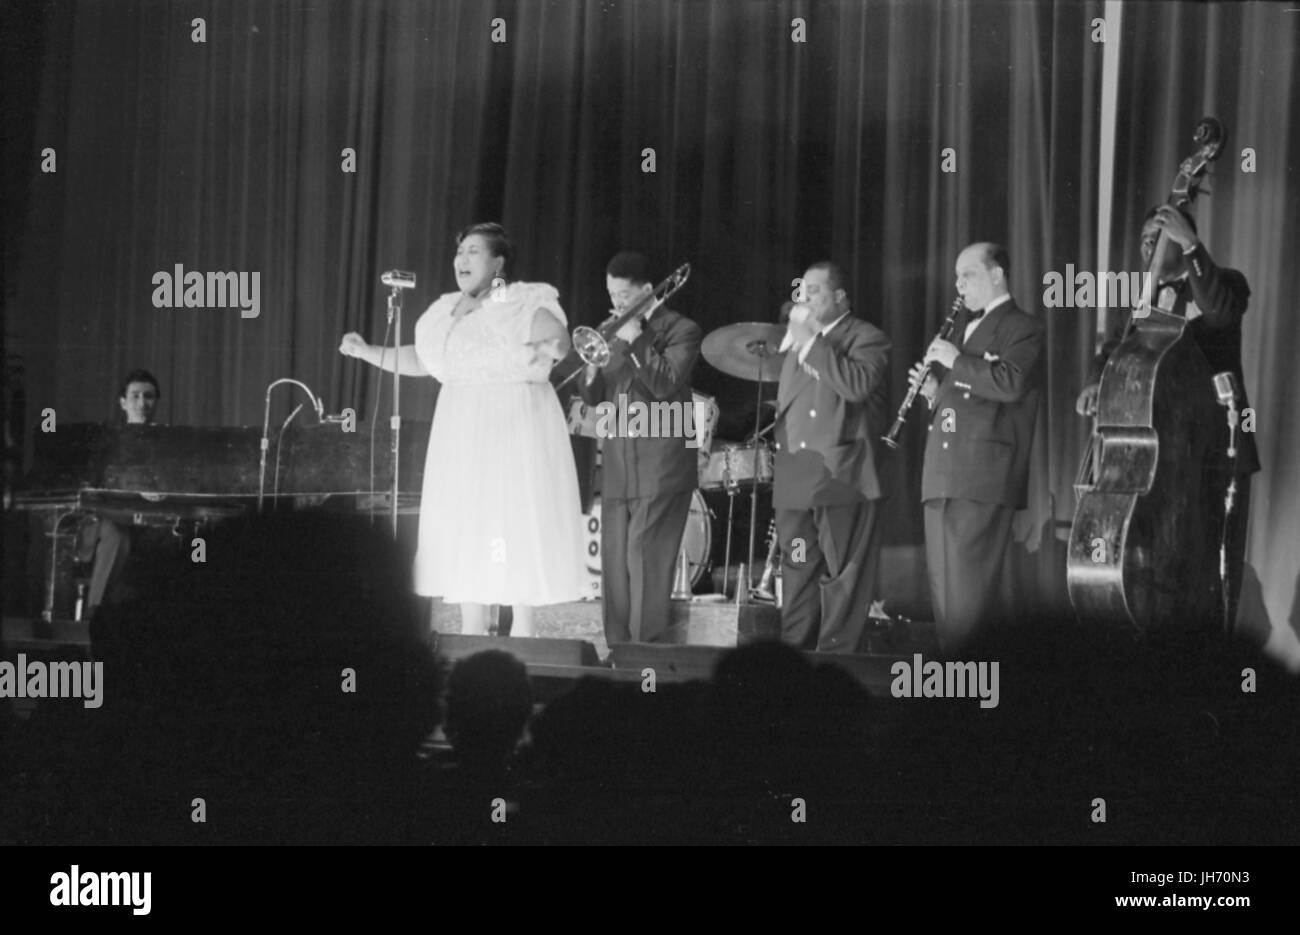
{"x": 1143, "y": 543}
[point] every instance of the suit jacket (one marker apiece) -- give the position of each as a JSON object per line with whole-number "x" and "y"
{"x": 830, "y": 412}
{"x": 989, "y": 400}
{"x": 1221, "y": 295}
{"x": 655, "y": 368}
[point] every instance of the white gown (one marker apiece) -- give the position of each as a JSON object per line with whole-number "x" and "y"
{"x": 500, "y": 521}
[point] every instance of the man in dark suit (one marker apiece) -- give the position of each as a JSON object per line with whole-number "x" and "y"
{"x": 984, "y": 401}
{"x": 830, "y": 409}
{"x": 1213, "y": 300}
{"x": 646, "y": 482}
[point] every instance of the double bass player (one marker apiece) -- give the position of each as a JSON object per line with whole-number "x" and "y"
{"x": 1213, "y": 299}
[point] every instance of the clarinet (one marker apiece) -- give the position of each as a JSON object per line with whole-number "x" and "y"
{"x": 945, "y": 332}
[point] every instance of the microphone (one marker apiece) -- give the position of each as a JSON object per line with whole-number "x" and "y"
{"x": 398, "y": 279}
{"x": 1225, "y": 387}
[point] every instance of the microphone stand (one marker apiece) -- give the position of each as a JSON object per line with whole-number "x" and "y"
{"x": 1229, "y": 499}
{"x": 395, "y": 421}
{"x": 761, "y": 349}
{"x": 266, "y": 432}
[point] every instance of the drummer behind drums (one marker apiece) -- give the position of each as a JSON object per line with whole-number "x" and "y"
{"x": 831, "y": 407}
{"x": 647, "y": 482}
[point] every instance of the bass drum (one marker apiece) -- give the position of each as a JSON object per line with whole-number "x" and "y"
{"x": 718, "y": 503}
{"x": 591, "y": 549}
{"x": 697, "y": 542}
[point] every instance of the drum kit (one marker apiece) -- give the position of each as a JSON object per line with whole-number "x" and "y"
{"x": 747, "y": 351}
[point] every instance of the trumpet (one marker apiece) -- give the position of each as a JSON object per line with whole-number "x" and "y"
{"x": 592, "y": 344}
{"x": 945, "y": 332}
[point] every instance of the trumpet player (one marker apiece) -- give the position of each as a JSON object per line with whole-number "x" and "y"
{"x": 830, "y": 409}
{"x": 646, "y": 482}
{"x": 983, "y": 388}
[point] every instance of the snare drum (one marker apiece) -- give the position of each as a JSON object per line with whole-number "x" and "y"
{"x": 737, "y": 464}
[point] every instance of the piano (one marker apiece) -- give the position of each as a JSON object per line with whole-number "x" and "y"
{"x": 164, "y": 468}
{"x": 186, "y": 477}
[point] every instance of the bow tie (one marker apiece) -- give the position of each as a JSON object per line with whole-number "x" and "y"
{"x": 975, "y": 316}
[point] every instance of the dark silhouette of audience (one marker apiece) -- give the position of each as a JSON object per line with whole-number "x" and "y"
{"x": 284, "y": 682}
{"x": 287, "y": 683}
{"x": 469, "y": 795}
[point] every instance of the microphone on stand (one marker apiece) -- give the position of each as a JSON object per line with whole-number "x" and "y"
{"x": 1225, "y": 388}
{"x": 398, "y": 279}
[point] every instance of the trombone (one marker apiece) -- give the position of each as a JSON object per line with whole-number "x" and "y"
{"x": 593, "y": 344}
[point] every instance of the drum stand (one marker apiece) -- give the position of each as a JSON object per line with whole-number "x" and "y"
{"x": 760, "y": 350}
{"x": 733, "y": 349}
{"x": 732, "y": 489}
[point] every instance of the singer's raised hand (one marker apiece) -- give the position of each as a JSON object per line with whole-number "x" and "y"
{"x": 352, "y": 345}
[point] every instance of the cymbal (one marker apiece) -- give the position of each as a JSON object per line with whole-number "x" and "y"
{"x": 745, "y": 350}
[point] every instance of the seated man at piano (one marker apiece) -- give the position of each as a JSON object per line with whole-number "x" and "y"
{"x": 101, "y": 541}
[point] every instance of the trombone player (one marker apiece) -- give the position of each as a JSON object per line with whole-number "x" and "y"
{"x": 647, "y": 483}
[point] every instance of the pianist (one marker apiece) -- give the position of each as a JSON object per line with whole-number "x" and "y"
{"x": 102, "y": 541}
{"x": 139, "y": 397}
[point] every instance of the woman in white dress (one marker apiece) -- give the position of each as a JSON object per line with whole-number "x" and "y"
{"x": 500, "y": 521}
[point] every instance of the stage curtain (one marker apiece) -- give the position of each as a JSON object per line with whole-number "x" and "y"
{"x": 768, "y": 154}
